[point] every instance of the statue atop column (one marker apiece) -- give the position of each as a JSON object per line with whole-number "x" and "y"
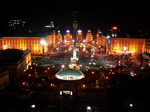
{"x": 74, "y": 58}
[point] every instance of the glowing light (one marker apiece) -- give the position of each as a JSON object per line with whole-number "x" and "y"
{"x": 124, "y": 48}
{"x": 62, "y": 66}
{"x": 131, "y": 105}
{"x": 114, "y": 28}
{"x": 107, "y": 78}
{"x": 5, "y": 47}
{"x": 100, "y": 32}
{"x": 71, "y": 93}
{"x": 23, "y": 83}
{"x": 47, "y": 26}
{"x": 69, "y": 74}
{"x": 33, "y": 106}
{"x": 67, "y": 31}
{"x": 88, "y": 108}
{"x": 52, "y": 85}
{"x": 83, "y": 85}
{"x": 43, "y": 42}
{"x": 93, "y": 72}
{"x": 132, "y": 73}
{"x": 79, "y": 31}
{"x": 108, "y": 36}
{"x": 60, "y": 92}
{"x": 89, "y": 31}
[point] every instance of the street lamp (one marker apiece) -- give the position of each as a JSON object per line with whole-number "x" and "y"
{"x": 131, "y": 105}
{"x": 125, "y": 48}
{"x": 62, "y": 66}
{"x": 107, "y": 42}
{"x": 33, "y": 106}
{"x": 108, "y": 36}
{"x": 43, "y": 43}
{"x": 89, "y": 109}
{"x": 5, "y": 47}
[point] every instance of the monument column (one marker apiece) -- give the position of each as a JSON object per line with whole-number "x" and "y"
{"x": 74, "y": 59}
{"x": 75, "y": 26}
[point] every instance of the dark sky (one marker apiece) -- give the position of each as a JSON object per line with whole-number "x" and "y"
{"x": 93, "y": 14}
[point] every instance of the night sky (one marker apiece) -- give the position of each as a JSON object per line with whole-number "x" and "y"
{"x": 128, "y": 16}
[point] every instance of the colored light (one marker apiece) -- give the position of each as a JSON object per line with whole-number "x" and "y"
{"x": 89, "y": 31}
{"x": 114, "y": 28}
{"x": 108, "y": 36}
{"x": 79, "y": 31}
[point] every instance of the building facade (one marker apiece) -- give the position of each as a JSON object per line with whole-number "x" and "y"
{"x": 147, "y": 46}
{"x": 89, "y": 36}
{"x": 112, "y": 45}
{"x": 25, "y": 43}
{"x": 125, "y": 45}
{"x": 15, "y": 61}
{"x": 4, "y": 78}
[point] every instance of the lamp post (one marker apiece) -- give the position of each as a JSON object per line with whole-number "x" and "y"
{"x": 33, "y": 108}
{"x": 43, "y": 43}
{"x": 131, "y": 107}
{"x": 88, "y": 109}
{"x": 107, "y": 42}
{"x": 125, "y": 48}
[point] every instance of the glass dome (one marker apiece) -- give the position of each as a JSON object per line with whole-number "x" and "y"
{"x": 69, "y": 74}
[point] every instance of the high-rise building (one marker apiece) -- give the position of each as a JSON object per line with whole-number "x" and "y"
{"x": 17, "y": 26}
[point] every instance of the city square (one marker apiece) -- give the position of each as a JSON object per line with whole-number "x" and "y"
{"x": 92, "y": 60}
